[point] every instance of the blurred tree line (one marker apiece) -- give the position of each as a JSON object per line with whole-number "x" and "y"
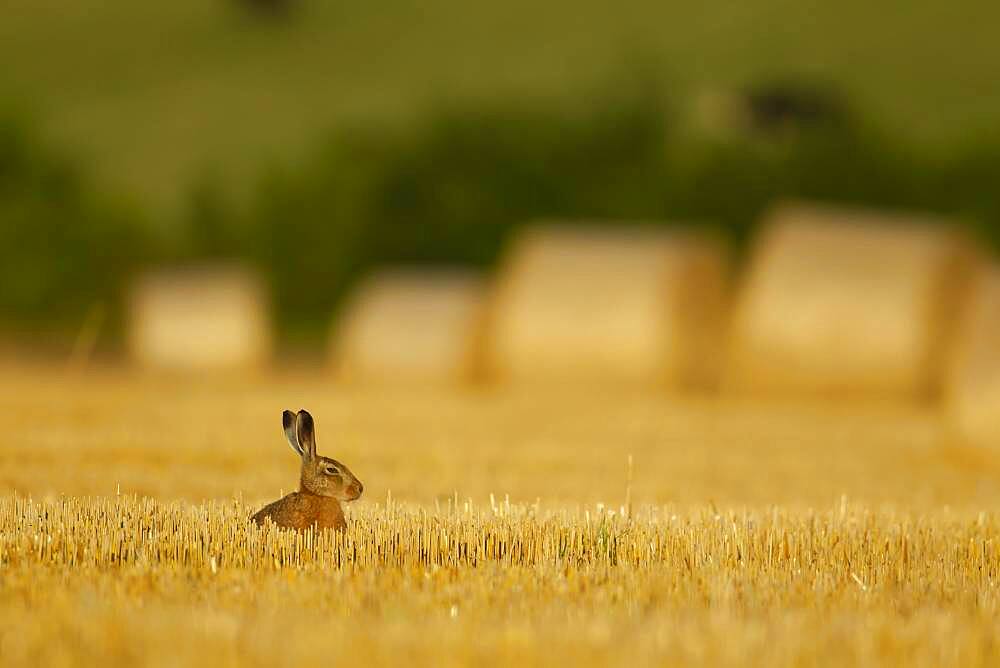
{"x": 450, "y": 190}
{"x": 65, "y": 247}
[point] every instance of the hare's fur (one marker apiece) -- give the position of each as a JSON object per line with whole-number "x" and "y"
{"x": 323, "y": 484}
{"x": 300, "y": 510}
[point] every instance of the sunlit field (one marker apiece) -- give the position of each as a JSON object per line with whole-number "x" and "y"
{"x": 126, "y": 580}
{"x": 496, "y": 527}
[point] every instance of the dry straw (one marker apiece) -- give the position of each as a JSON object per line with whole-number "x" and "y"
{"x": 973, "y": 389}
{"x": 206, "y": 317}
{"x": 409, "y": 325}
{"x": 841, "y": 301}
{"x": 630, "y": 305}
{"x": 119, "y": 581}
{"x": 883, "y": 549}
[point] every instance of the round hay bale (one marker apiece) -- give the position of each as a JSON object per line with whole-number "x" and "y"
{"x": 413, "y": 325}
{"x": 189, "y": 319}
{"x": 972, "y": 396}
{"x": 843, "y": 302}
{"x": 577, "y": 304}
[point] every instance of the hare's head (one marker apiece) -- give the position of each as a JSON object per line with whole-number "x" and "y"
{"x": 320, "y": 475}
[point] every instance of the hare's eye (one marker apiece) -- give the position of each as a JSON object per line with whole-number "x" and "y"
{"x": 331, "y": 470}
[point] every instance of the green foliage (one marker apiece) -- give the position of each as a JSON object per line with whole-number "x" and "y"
{"x": 63, "y": 250}
{"x": 157, "y": 90}
{"x": 451, "y": 189}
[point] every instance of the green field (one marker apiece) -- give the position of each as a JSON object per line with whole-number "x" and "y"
{"x": 157, "y": 95}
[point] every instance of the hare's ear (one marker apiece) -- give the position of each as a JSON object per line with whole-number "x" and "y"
{"x": 305, "y": 432}
{"x": 288, "y": 422}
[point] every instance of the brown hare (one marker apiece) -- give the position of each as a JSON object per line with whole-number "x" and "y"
{"x": 323, "y": 485}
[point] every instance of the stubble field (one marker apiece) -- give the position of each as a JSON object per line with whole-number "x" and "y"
{"x": 495, "y": 528}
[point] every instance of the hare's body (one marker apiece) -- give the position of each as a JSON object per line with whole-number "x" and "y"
{"x": 324, "y": 484}
{"x": 299, "y": 510}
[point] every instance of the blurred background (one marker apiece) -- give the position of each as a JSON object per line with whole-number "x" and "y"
{"x": 766, "y": 200}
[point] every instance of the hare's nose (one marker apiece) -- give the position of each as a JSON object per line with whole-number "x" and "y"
{"x": 361, "y": 487}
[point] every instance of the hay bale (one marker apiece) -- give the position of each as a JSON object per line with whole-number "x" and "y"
{"x": 839, "y": 301}
{"x": 972, "y": 397}
{"x": 597, "y": 305}
{"x": 211, "y": 317}
{"x": 406, "y": 326}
